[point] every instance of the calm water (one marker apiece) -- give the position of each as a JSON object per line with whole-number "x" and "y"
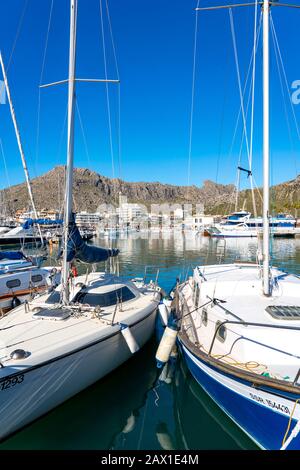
{"x": 131, "y": 408}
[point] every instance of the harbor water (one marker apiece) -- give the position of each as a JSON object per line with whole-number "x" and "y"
{"x": 138, "y": 406}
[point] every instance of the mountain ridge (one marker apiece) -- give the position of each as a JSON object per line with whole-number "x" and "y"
{"x": 91, "y": 189}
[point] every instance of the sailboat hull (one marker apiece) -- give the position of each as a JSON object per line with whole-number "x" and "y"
{"x": 262, "y": 415}
{"x": 26, "y": 396}
{"x": 16, "y": 241}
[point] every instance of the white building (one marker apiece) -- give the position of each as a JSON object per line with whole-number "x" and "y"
{"x": 201, "y": 220}
{"x": 88, "y": 219}
{"x": 131, "y": 214}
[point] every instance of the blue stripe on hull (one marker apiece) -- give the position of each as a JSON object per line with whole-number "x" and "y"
{"x": 263, "y": 425}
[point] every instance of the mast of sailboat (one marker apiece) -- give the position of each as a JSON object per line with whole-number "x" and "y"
{"x": 70, "y": 150}
{"x": 266, "y": 5}
{"x": 266, "y": 151}
{"x": 20, "y": 146}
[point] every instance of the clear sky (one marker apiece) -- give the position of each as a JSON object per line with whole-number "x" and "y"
{"x": 154, "y": 44}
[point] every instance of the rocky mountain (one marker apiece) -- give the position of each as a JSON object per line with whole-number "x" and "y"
{"x": 91, "y": 190}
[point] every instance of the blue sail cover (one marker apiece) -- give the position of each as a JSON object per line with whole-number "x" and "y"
{"x": 11, "y": 255}
{"x": 79, "y": 249}
{"x": 30, "y": 222}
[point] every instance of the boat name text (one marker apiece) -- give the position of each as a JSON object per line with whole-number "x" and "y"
{"x": 270, "y": 403}
{"x": 8, "y": 383}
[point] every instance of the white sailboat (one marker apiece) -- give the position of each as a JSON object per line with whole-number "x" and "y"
{"x": 240, "y": 326}
{"x": 62, "y": 342}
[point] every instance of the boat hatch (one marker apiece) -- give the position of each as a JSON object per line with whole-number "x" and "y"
{"x": 284, "y": 312}
{"x": 105, "y": 299}
{"x": 52, "y": 314}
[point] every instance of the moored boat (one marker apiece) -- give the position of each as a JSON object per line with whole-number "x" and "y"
{"x": 239, "y": 323}
{"x": 21, "y": 278}
{"x": 59, "y": 343}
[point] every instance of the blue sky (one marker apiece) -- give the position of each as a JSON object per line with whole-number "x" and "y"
{"x": 154, "y": 44}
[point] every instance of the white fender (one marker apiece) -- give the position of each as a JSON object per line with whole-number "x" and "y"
{"x": 168, "y": 303}
{"x": 166, "y": 345}
{"x": 163, "y": 312}
{"x": 129, "y": 338}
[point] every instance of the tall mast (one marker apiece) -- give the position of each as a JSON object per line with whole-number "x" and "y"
{"x": 70, "y": 149}
{"x": 21, "y": 150}
{"x": 266, "y": 151}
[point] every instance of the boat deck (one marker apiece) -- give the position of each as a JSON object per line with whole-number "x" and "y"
{"x": 254, "y": 330}
{"x": 65, "y": 329}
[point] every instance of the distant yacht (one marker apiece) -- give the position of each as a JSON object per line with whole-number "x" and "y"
{"x": 241, "y": 224}
{"x": 20, "y": 236}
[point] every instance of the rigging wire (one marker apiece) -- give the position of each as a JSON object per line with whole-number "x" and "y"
{"x": 285, "y": 76}
{"x": 6, "y": 172}
{"x": 119, "y": 131}
{"x": 112, "y": 40}
{"x": 279, "y": 55}
{"x": 283, "y": 96}
{"x": 222, "y": 126}
{"x": 191, "y": 116}
{"x": 244, "y": 117}
{"x": 119, "y": 90}
{"x": 241, "y": 146}
{"x": 239, "y": 78}
{"x": 62, "y": 205}
{"x": 193, "y": 97}
{"x": 248, "y": 101}
{"x": 19, "y": 28}
{"x": 5, "y": 165}
{"x": 245, "y": 86}
{"x": 107, "y": 91}
{"x": 252, "y": 111}
{"x": 83, "y": 133}
{"x": 40, "y": 83}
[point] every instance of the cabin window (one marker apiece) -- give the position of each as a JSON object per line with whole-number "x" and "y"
{"x": 13, "y": 283}
{"x": 222, "y": 332}
{"x": 204, "y": 317}
{"x": 36, "y": 278}
{"x": 106, "y": 299}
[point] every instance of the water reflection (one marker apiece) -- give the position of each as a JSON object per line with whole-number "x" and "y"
{"x": 93, "y": 418}
{"x": 176, "y": 253}
{"x": 137, "y": 407}
{"x": 201, "y": 424}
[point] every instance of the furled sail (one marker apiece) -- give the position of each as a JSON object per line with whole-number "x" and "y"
{"x": 79, "y": 249}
